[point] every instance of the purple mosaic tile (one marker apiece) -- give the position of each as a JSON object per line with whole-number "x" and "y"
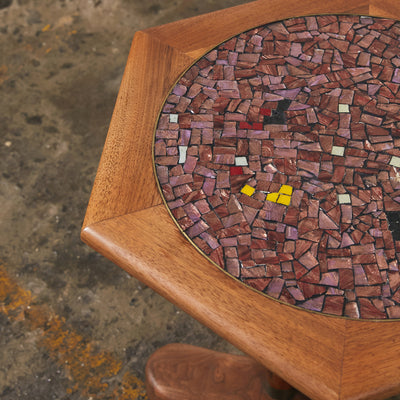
{"x": 278, "y": 154}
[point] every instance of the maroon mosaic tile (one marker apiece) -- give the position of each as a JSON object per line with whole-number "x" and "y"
{"x": 278, "y": 154}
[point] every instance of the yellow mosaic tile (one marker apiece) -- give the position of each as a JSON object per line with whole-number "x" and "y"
{"x": 272, "y": 197}
{"x": 248, "y": 190}
{"x": 286, "y": 189}
{"x": 284, "y": 199}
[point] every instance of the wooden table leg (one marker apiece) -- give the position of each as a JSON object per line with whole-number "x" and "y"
{"x": 184, "y": 372}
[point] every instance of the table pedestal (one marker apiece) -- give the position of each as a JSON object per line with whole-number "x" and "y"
{"x": 185, "y": 372}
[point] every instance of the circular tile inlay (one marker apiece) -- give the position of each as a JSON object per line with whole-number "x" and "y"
{"x": 278, "y": 154}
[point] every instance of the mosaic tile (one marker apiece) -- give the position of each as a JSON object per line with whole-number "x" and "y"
{"x": 182, "y": 154}
{"x": 395, "y": 161}
{"x": 278, "y": 154}
{"x": 284, "y": 199}
{"x": 344, "y": 108}
{"x": 241, "y": 161}
{"x": 248, "y": 190}
{"x": 344, "y": 198}
{"x": 272, "y": 197}
{"x": 337, "y": 151}
{"x": 173, "y": 118}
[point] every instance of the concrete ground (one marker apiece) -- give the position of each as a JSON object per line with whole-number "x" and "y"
{"x": 72, "y": 324}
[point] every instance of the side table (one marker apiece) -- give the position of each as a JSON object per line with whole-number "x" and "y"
{"x": 327, "y": 318}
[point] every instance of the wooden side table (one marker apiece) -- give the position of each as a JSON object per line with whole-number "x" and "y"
{"x": 325, "y": 350}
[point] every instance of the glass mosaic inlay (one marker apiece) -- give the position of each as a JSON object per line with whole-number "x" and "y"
{"x": 278, "y": 154}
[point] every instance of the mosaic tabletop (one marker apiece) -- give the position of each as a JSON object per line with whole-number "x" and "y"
{"x": 278, "y": 155}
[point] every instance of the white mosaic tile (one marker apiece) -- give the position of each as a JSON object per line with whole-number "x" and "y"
{"x": 241, "y": 161}
{"x": 344, "y": 108}
{"x": 395, "y": 161}
{"x": 182, "y": 154}
{"x": 337, "y": 151}
{"x": 344, "y": 198}
{"x": 173, "y": 118}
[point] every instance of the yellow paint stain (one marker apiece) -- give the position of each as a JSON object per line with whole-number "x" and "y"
{"x": 74, "y": 32}
{"x": 94, "y": 374}
{"x": 48, "y": 50}
{"x": 46, "y": 28}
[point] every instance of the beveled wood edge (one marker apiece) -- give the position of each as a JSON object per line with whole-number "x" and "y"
{"x": 373, "y": 349}
{"x": 125, "y": 180}
{"x": 384, "y": 8}
{"x": 184, "y": 34}
{"x": 287, "y": 340}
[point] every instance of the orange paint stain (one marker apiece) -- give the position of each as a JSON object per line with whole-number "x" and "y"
{"x": 131, "y": 388}
{"x": 13, "y": 299}
{"x": 3, "y": 74}
{"x": 93, "y": 373}
{"x": 46, "y": 28}
{"x": 90, "y": 370}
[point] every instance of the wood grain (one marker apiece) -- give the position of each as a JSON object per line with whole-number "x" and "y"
{"x": 385, "y": 8}
{"x": 372, "y": 349}
{"x": 184, "y": 372}
{"x": 325, "y": 357}
{"x": 196, "y": 35}
{"x": 125, "y": 180}
{"x": 303, "y": 348}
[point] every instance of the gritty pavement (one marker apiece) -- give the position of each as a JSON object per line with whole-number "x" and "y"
{"x": 72, "y": 324}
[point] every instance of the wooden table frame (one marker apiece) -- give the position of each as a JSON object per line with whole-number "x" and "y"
{"x": 324, "y": 357}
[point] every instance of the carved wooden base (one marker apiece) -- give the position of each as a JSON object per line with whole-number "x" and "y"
{"x": 184, "y": 372}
